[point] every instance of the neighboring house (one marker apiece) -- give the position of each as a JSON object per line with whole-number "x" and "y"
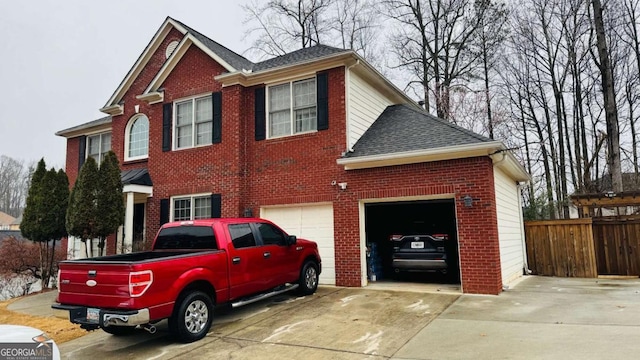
{"x": 6, "y": 221}
{"x": 317, "y": 141}
{"x": 15, "y": 225}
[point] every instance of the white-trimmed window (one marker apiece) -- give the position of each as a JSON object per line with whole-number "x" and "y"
{"x": 194, "y": 122}
{"x": 137, "y": 138}
{"x": 191, "y": 207}
{"x": 292, "y": 108}
{"x": 98, "y": 146}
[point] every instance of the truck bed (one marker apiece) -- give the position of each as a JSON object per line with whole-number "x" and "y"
{"x": 139, "y": 256}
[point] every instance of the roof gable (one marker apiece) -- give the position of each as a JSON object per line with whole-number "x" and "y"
{"x": 227, "y": 58}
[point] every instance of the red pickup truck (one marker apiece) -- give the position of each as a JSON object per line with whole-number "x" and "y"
{"x": 192, "y": 267}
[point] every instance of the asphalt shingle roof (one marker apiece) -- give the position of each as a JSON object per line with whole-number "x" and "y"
{"x": 402, "y": 128}
{"x": 239, "y": 62}
{"x": 298, "y": 56}
{"x": 136, "y": 177}
{"x": 90, "y": 124}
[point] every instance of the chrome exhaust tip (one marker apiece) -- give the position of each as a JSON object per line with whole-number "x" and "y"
{"x": 149, "y": 328}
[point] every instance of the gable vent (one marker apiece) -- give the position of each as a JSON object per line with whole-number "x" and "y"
{"x": 170, "y": 48}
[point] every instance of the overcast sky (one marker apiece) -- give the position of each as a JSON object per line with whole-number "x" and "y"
{"x": 61, "y": 60}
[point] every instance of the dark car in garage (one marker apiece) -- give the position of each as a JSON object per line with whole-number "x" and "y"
{"x": 419, "y": 253}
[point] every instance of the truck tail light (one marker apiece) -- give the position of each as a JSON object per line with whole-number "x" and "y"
{"x": 139, "y": 282}
{"x": 58, "y": 280}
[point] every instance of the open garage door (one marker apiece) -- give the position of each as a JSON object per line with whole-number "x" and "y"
{"x": 312, "y": 222}
{"x": 397, "y": 219}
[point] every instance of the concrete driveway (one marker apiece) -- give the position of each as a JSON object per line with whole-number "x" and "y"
{"x": 539, "y": 318}
{"x": 334, "y": 323}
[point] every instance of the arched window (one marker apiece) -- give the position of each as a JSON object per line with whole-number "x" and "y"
{"x": 137, "y": 138}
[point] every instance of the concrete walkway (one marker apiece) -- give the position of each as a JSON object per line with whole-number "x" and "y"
{"x": 539, "y": 318}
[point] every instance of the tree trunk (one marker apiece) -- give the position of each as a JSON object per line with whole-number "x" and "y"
{"x": 611, "y": 113}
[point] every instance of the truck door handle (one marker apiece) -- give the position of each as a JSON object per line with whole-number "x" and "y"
{"x": 267, "y": 255}
{"x": 236, "y": 260}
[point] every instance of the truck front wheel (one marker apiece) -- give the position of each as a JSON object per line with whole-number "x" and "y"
{"x": 308, "y": 282}
{"x": 191, "y": 319}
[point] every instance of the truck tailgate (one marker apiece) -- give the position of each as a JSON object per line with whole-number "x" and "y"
{"x": 99, "y": 284}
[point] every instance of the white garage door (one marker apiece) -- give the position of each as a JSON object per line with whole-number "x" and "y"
{"x": 312, "y": 222}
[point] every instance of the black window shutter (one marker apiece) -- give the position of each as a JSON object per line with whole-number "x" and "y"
{"x": 216, "y": 205}
{"x": 217, "y": 117}
{"x": 261, "y": 123}
{"x": 166, "y": 126}
{"x": 82, "y": 148}
{"x": 322, "y": 94}
{"x": 164, "y": 211}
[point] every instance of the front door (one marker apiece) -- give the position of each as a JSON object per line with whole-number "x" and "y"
{"x": 138, "y": 227}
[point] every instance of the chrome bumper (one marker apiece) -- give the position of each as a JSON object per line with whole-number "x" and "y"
{"x": 78, "y": 315}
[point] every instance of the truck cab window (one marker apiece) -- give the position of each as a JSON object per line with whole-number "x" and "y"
{"x": 186, "y": 237}
{"x": 241, "y": 236}
{"x": 271, "y": 235}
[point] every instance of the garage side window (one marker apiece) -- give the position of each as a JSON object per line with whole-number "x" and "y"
{"x": 241, "y": 236}
{"x": 271, "y": 235}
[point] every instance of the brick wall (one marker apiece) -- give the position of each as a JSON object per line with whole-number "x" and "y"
{"x": 477, "y": 225}
{"x": 298, "y": 170}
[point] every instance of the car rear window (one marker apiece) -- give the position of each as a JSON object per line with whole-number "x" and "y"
{"x": 186, "y": 237}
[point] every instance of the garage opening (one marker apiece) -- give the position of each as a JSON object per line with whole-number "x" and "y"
{"x": 412, "y": 241}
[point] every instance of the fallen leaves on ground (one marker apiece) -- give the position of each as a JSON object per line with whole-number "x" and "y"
{"x": 59, "y": 330}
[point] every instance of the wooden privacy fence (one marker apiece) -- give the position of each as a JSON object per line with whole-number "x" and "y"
{"x": 561, "y": 248}
{"x": 617, "y": 243}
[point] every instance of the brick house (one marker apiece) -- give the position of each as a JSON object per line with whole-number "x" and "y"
{"x": 317, "y": 141}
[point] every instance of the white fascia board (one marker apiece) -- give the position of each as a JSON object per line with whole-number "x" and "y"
{"x": 175, "y": 58}
{"x": 511, "y": 166}
{"x": 152, "y": 97}
{"x": 420, "y": 156}
{"x": 280, "y": 73}
{"x": 140, "y": 189}
{"x": 142, "y": 61}
{"x": 113, "y": 110}
{"x": 371, "y": 73}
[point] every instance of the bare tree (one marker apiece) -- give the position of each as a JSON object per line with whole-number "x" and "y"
{"x": 14, "y": 183}
{"x": 356, "y": 23}
{"x": 611, "y": 111}
{"x": 492, "y": 32}
{"x": 281, "y": 26}
{"x": 432, "y": 41}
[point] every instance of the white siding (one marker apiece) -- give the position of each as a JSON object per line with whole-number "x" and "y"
{"x": 365, "y": 104}
{"x": 311, "y": 222}
{"x": 510, "y": 232}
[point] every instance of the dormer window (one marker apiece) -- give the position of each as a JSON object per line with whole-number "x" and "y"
{"x": 292, "y": 108}
{"x": 137, "y": 138}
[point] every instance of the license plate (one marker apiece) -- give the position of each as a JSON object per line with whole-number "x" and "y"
{"x": 417, "y": 245}
{"x": 93, "y": 315}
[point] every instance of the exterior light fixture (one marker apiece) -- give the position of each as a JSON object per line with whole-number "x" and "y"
{"x": 468, "y": 201}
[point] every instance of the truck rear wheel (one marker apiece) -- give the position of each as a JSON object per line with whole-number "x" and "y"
{"x": 308, "y": 282}
{"x": 119, "y": 330}
{"x": 192, "y": 317}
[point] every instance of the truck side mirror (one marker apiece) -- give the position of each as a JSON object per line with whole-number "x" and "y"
{"x": 291, "y": 240}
